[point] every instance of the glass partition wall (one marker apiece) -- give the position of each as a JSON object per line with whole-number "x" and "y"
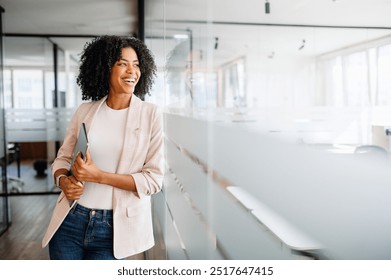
{"x": 4, "y": 208}
{"x": 257, "y": 117}
{"x": 40, "y": 94}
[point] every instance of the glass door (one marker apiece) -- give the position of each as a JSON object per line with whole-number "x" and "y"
{"x": 4, "y": 209}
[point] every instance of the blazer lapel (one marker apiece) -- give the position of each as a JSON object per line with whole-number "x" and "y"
{"x": 131, "y": 135}
{"x": 90, "y": 116}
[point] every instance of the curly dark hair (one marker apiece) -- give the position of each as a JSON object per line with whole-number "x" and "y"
{"x": 99, "y": 56}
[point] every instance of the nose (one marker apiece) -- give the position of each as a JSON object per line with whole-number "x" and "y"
{"x": 130, "y": 69}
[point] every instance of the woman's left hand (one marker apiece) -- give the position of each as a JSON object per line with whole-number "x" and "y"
{"x": 86, "y": 170}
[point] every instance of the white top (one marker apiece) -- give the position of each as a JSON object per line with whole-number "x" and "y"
{"x": 105, "y": 137}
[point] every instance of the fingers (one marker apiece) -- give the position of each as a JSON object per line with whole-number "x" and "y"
{"x": 77, "y": 175}
{"x": 73, "y": 189}
{"x": 80, "y": 165}
{"x": 88, "y": 156}
{"x": 84, "y": 170}
{"x": 79, "y": 158}
{"x": 77, "y": 166}
{"x": 74, "y": 181}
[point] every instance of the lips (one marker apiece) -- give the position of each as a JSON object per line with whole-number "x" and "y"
{"x": 130, "y": 80}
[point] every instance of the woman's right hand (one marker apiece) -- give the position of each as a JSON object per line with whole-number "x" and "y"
{"x": 72, "y": 188}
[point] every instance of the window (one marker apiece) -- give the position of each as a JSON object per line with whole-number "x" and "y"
{"x": 384, "y": 72}
{"x": 28, "y": 88}
{"x": 232, "y": 93}
{"x": 357, "y": 79}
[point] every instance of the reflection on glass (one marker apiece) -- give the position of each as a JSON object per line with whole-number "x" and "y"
{"x": 233, "y": 88}
{"x": 312, "y": 87}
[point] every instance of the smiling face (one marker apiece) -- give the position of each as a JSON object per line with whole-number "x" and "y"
{"x": 125, "y": 73}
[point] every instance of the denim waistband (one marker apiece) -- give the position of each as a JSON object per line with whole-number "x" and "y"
{"x": 97, "y": 213}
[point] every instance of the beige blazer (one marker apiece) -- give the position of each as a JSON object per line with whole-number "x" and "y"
{"x": 141, "y": 157}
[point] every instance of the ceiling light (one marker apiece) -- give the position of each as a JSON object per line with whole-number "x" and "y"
{"x": 267, "y": 7}
{"x": 181, "y": 36}
{"x": 302, "y": 45}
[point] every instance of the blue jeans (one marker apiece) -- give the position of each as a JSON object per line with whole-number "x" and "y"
{"x": 85, "y": 234}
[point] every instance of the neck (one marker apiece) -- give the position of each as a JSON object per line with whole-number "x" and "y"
{"x": 118, "y": 103}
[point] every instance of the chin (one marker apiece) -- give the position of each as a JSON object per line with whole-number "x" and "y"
{"x": 128, "y": 90}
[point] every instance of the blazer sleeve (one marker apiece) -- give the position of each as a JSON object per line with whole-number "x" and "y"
{"x": 149, "y": 180}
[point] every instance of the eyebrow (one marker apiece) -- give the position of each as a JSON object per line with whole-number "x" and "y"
{"x": 136, "y": 60}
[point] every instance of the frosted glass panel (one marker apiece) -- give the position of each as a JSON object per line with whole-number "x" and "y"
{"x": 193, "y": 197}
{"x": 336, "y": 199}
{"x": 239, "y": 234}
{"x": 292, "y": 186}
{"x": 190, "y": 175}
{"x": 37, "y": 125}
{"x": 190, "y": 133}
{"x": 191, "y": 225}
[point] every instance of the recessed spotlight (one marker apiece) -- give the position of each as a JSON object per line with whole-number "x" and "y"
{"x": 267, "y": 7}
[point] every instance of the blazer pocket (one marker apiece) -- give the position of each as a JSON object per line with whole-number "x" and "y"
{"x": 138, "y": 210}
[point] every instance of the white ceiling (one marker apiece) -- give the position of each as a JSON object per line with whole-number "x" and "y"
{"x": 243, "y": 26}
{"x": 70, "y": 17}
{"x": 312, "y": 12}
{"x": 95, "y": 17}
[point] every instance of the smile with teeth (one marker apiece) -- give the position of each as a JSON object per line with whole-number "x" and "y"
{"x": 129, "y": 80}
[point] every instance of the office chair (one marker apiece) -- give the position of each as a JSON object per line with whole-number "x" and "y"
{"x": 15, "y": 184}
{"x": 372, "y": 151}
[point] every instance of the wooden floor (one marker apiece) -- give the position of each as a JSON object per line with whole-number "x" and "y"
{"x": 30, "y": 216}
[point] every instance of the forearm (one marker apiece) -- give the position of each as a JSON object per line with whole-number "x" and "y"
{"x": 121, "y": 181}
{"x": 60, "y": 171}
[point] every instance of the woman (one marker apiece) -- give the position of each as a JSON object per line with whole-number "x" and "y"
{"x": 122, "y": 168}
